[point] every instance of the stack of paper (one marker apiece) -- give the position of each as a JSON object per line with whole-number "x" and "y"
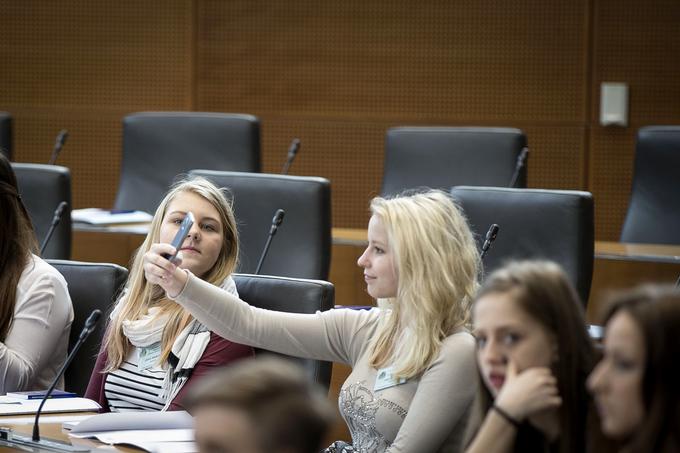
{"x": 96, "y": 216}
{"x": 170, "y": 432}
{"x": 16, "y": 406}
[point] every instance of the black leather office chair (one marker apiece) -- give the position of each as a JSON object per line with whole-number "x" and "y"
{"x": 443, "y": 157}
{"x": 42, "y": 188}
{"x": 291, "y": 295}
{"x": 534, "y": 224}
{"x": 302, "y": 246}
{"x": 91, "y": 286}
{"x": 654, "y": 210}
{"x": 6, "y": 134}
{"x": 158, "y": 146}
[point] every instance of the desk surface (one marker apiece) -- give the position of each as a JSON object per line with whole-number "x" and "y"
{"x": 603, "y": 249}
{"x": 639, "y": 252}
{"x": 53, "y": 431}
{"x": 358, "y": 237}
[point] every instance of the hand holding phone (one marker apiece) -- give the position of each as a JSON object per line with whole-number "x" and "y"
{"x": 182, "y": 233}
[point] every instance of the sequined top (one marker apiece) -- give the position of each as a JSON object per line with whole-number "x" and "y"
{"x": 423, "y": 415}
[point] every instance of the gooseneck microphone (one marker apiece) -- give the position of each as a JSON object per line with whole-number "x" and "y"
{"x": 276, "y": 222}
{"x": 519, "y": 166}
{"x": 58, "y": 145}
{"x": 88, "y": 328}
{"x": 34, "y": 443}
{"x": 488, "y": 240}
{"x": 58, "y": 213}
{"x": 292, "y": 152}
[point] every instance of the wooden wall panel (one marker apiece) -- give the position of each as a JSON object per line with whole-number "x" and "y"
{"x": 84, "y": 65}
{"x": 638, "y": 43}
{"x": 434, "y": 61}
{"x": 347, "y": 70}
{"x": 556, "y": 156}
{"x": 337, "y": 74}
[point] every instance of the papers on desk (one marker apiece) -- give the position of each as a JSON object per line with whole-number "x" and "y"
{"x": 64, "y": 419}
{"x": 151, "y": 431}
{"x": 96, "y": 216}
{"x": 15, "y": 406}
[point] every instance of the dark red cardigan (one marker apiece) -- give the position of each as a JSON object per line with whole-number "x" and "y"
{"x": 218, "y": 353}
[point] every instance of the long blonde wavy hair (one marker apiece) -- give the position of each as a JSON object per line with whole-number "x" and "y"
{"x": 437, "y": 265}
{"x": 141, "y": 295}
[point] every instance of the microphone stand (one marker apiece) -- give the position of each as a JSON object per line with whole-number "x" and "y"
{"x": 488, "y": 240}
{"x": 276, "y": 222}
{"x": 55, "y": 221}
{"x": 35, "y": 443}
{"x": 521, "y": 162}
{"x": 292, "y": 152}
{"x": 58, "y": 145}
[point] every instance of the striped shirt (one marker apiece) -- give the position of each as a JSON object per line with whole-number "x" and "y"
{"x": 130, "y": 389}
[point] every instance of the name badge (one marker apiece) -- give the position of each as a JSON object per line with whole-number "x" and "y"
{"x": 385, "y": 379}
{"x": 148, "y": 357}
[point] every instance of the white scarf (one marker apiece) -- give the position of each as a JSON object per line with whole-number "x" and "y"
{"x": 187, "y": 349}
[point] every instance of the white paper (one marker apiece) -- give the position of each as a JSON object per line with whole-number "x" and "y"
{"x": 29, "y": 419}
{"x": 121, "y": 421}
{"x": 98, "y": 216}
{"x": 13, "y": 406}
{"x": 153, "y": 440}
{"x": 140, "y": 435}
{"x": 167, "y": 447}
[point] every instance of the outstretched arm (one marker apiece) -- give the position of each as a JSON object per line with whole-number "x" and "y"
{"x": 335, "y": 335}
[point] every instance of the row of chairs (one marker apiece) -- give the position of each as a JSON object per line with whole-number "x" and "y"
{"x": 303, "y": 244}
{"x": 156, "y": 144}
{"x": 96, "y": 285}
{"x": 555, "y": 225}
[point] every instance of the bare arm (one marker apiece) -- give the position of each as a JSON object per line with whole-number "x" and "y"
{"x": 335, "y": 335}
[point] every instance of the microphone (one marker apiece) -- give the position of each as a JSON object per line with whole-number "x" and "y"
{"x": 88, "y": 328}
{"x": 488, "y": 240}
{"x": 521, "y": 163}
{"x": 55, "y": 221}
{"x": 58, "y": 145}
{"x": 7, "y": 436}
{"x": 292, "y": 152}
{"x": 276, "y": 222}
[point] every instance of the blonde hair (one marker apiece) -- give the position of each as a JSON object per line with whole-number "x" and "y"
{"x": 437, "y": 265}
{"x": 140, "y": 295}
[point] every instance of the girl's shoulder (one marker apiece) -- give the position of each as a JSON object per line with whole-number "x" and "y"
{"x": 460, "y": 341}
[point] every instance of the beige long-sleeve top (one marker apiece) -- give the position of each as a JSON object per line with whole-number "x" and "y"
{"x": 36, "y": 344}
{"x": 423, "y": 415}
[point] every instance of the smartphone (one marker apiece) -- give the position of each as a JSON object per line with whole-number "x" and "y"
{"x": 182, "y": 233}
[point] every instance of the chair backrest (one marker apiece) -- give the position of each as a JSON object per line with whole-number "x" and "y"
{"x": 653, "y": 212}
{"x": 42, "y": 188}
{"x": 443, "y": 157}
{"x": 534, "y": 224}
{"x": 301, "y": 247}
{"x": 91, "y": 286}
{"x": 159, "y": 146}
{"x": 292, "y": 295}
{"x": 6, "y": 134}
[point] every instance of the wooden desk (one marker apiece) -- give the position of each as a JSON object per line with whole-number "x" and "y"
{"x": 106, "y": 244}
{"x": 619, "y": 266}
{"x": 54, "y": 431}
